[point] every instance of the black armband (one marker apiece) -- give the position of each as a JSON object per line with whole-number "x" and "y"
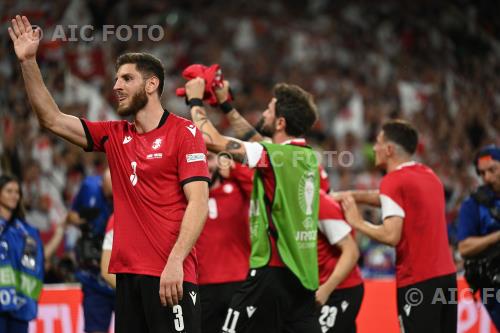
{"x": 195, "y": 102}
{"x": 226, "y": 107}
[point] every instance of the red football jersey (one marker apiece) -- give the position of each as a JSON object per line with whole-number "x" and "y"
{"x": 416, "y": 194}
{"x": 148, "y": 171}
{"x": 333, "y": 228}
{"x": 224, "y": 245}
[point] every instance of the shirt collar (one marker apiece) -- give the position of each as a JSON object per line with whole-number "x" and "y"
{"x": 296, "y": 142}
{"x": 406, "y": 164}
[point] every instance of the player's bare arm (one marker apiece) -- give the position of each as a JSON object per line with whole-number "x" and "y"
{"x": 26, "y": 41}
{"x": 108, "y": 277}
{"x": 215, "y": 141}
{"x": 347, "y": 261}
{"x": 389, "y": 232}
{"x": 171, "y": 279}
{"x": 242, "y": 128}
{"x": 367, "y": 197}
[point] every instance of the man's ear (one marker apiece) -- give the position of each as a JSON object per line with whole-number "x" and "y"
{"x": 152, "y": 84}
{"x": 280, "y": 123}
{"x": 391, "y": 149}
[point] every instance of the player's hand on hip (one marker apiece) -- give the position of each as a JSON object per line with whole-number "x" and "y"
{"x": 171, "y": 282}
{"x": 322, "y": 295}
{"x": 195, "y": 88}
{"x": 222, "y": 94}
{"x": 25, "y": 39}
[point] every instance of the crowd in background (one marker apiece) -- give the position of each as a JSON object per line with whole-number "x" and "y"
{"x": 434, "y": 63}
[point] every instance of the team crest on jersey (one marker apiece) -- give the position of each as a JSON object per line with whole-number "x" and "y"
{"x": 156, "y": 144}
{"x": 127, "y": 139}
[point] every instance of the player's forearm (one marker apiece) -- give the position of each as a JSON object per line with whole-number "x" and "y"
{"x": 214, "y": 141}
{"x": 191, "y": 227}
{"x": 108, "y": 277}
{"x": 376, "y": 232}
{"x": 242, "y": 128}
{"x": 40, "y": 99}
{"x": 347, "y": 261}
{"x": 368, "y": 197}
{"x": 472, "y": 246}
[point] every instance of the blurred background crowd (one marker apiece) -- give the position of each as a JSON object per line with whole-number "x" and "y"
{"x": 435, "y": 63}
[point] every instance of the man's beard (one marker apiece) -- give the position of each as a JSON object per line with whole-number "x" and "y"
{"x": 264, "y": 129}
{"x": 139, "y": 100}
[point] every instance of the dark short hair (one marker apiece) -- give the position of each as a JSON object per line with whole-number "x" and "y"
{"x": 491, "y": 150}
{"x": 402, "y": 133}
{"x": 19, "y": 210}
{"x": 147, "y": 64}
{"x": 297, "y": 107}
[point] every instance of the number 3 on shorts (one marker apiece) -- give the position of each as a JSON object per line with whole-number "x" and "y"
{"x": 179, "y": 320}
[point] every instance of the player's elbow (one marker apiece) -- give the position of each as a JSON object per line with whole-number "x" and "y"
{"x": 393, "y": 239}
{"x": 49, "y": 121}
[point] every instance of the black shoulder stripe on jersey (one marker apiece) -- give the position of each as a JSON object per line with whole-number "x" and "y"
{"x": 163, "y": 119}
{"x": 103, "y": 140}
{"x": 90, "y": 141}
{"x": 195, "y": 179}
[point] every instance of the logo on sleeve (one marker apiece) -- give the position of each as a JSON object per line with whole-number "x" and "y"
{"x": 198, "y": 157}
{"x": 127, "y": 139}
{"x": 192, "y": 129}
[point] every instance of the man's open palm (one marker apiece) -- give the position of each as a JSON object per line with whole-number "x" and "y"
{"x": 25, "y": 39}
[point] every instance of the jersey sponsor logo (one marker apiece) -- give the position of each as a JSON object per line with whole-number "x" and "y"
{"x": 251, "y": 311}
{"x": 154, "y": 156}
{"x": 192, "y": 129}
{"x": 127, "y": 139}
{"x": 197, "y": 157}
{"x": 193, "y": 296}
{"x": 156, "y": 144}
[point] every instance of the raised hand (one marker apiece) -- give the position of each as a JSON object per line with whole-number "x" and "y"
{"x": 195, "y": 88}
{"x": 25, "y": 39}
{"x": 222, "y": 93}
